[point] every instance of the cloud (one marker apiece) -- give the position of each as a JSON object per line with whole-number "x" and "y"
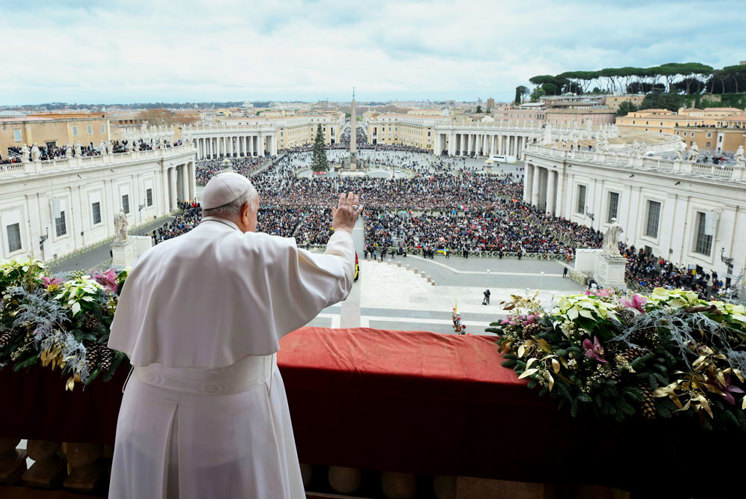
{"x": 85, "y": 51}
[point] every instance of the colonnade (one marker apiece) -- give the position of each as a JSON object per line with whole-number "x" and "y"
{"x": 179, "y": 184}
{"x": 541, "y": 188}
{"x": 481, "y": 144}
{"x": 235, "y": 146}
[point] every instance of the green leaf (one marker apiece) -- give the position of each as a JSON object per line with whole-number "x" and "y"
{"x": 584, "y": 397}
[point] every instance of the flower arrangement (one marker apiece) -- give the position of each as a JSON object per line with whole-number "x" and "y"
{"x": 613, "y": 356}
{"x": 60, "y": 323}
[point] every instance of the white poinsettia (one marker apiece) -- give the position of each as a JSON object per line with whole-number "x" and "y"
{"x": 589, "y": 307}
{"x": 674, "y": 298}
{"x": 22, "y": 266}
{"x": 80, "y": 289}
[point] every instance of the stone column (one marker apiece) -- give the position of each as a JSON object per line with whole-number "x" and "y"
{"x": 251, "y": 145}
{"x": 48, "y": 470}
{"x": 172, "y": 189}
{"x": 260, "y": 145}
{"x": 451, "y": 144}
{"x": 535, "y": 186}
{"x": 185, "y": 179}
{"x": 551, "y": 192}
{"x": 12, "y": 461}
{"x": 528, "y": 182}
{"x": 192, "y": 180}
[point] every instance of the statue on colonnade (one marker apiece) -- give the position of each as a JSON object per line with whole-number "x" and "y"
{"x": 739, "y": 157}
{"x": 24, "y": 153}
{"x": 35, "y": 154}
{"x": 693, "y": 153}
{"x": 680, "y": 149}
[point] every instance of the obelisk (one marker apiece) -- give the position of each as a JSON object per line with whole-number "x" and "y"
{"x": 353, "y": 133}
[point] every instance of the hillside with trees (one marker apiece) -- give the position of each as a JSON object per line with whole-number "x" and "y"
{"x": 672, "y": 80}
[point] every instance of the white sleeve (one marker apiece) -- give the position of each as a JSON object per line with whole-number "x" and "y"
{"x": 313, "y": 282}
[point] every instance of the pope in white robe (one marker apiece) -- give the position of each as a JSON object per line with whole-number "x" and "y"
{"x": 204, "y": 413}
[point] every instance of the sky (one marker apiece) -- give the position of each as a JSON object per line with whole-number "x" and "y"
{"x": 107, "y": 52}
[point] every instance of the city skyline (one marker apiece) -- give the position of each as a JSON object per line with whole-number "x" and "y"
{"x": 77, "y": 52}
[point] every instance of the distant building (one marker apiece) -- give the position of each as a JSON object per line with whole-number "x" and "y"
{"x": 713, "y": 129}
{"x": 691, "y": 216}
{"x": 614, "y": 101}
{"x": 50, "y": 209}
{"x": 53, "y": 130}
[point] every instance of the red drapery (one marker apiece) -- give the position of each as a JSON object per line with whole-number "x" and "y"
{"x": 418, "y": 402}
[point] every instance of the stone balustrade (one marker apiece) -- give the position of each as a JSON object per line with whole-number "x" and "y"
{"x": 643, "y": 163}
{"x": 69, "y": 164}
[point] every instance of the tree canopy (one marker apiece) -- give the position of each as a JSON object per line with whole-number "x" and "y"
{"x": 687, "y": 77}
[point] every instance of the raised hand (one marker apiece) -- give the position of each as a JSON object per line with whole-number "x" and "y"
{"x": 345, "y": 214}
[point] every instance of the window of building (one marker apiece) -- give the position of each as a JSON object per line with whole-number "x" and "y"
{"x": 149, "y": 196}
{"x": 126, "y": 203}
{"x": 581, "y": 199}
{"x": 96, "y": 212}
{"x": 703, "y": 243}
{"x": 709, "y": 135}
{"x": 14, "y": 237}
{"x": 613, "y": 206}
{"x": 677, "y": 132}
{"x": 90, "y": 129}
{"x": 16, "y": 135}
{"x": 654, "y": 213}
{"x": 708, "y": 145}
{"x": 75, "y": 131}
{"x": 60, "y": 225}
{"x": 103, "y": 128}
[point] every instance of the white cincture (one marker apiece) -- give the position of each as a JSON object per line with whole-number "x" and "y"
{"x": 239, "y": 377}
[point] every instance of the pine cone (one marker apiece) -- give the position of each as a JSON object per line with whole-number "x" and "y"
{"x": 642, "y": 336}
{"x": 531, "y": 329}
{"x": 91, "y": 356}
{"x": 628, "y": 355}
{"x": 648, "y": 402}
{"x": 613, "y": 374}
{"x": 7, "y": 338}
{"x": 106, "y": 358}
{"x": 91, "y": 323}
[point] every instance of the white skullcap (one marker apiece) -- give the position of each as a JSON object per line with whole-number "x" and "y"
{"x": 224, "y": 188}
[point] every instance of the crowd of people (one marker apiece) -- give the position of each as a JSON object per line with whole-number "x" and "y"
{"x": 50, "y": 152}
{"x": 205, "y": 170}
{"x": 646, "y": 271}
{"x": 507, "y": 226}
{"x": 190, "y": 215}
{"x": 448, "y": 208}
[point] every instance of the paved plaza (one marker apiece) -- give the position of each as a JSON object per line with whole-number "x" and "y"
{"x": 389, "y": 296}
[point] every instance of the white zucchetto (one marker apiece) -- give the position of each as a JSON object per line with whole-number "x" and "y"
{"x": 224, "y": 188}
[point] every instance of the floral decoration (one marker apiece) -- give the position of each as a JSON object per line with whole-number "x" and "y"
{"x": 59, "y": 322}
{"x": 615, "y": 356}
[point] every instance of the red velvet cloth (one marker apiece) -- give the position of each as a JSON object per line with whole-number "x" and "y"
{"x": 404, "y": 401}
{"x": 419, "y": 402}
{"x": 442, "y": 404}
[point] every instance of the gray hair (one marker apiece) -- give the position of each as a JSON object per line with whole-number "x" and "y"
{"x": 232, "y": 210}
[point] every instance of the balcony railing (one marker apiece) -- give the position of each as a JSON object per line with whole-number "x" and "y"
{"x": 391, "y": 414}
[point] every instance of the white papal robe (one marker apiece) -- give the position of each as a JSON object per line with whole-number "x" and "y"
{"x": 204, "y": 413}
